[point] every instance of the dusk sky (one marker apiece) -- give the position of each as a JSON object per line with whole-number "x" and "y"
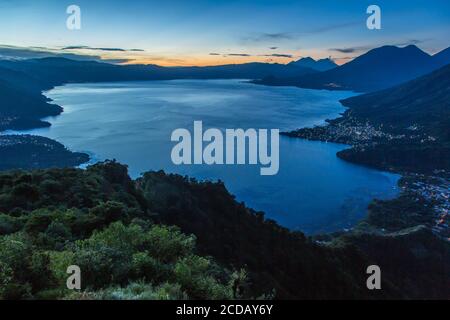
{"x": 220, "y": 32}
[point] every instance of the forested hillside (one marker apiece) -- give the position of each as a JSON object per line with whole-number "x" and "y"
{"x": 167, "y": 237}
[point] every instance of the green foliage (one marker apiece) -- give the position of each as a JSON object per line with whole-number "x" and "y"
{"x": 136, "y": 291}
{"x": 95, "y": 219}
{"x": 158, "y": 254}
{"x": 400, "y": 213}
{"x": 15, "y": 252}
{"x": 102, "y": 221}
{"x": 9, "y": 224}
{"x": 193, "y": 273}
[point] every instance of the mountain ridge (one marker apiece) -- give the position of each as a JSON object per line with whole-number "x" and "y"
{"x": 318, "y": 65}
{"x": 377, "y": 69}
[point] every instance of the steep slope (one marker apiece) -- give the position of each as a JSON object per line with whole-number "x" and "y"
{"x": 442, "y": 57}
{"x": 99, "y": 218}
{"x": 377, "y": 69}
{"x": 403, "y": 129}
{"x": 21, "y": 101}
{"x": 417, "y": 113}
{"x": 422, "y": 104}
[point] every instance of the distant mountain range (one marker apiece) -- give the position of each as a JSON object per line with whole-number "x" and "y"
{"x": 318, "y": 65}
{"x": 22, "y": 81}
{"x": 62, "y": 70}
{"x": 377, "y": 69}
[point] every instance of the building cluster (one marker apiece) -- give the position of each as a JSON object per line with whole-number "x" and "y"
{"x": 436, "y": 190}
{"x": 11, "y": 140}
{"x": 356, "y": 133}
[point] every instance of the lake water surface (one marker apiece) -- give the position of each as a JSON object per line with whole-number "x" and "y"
{"x": 132, "y": 122}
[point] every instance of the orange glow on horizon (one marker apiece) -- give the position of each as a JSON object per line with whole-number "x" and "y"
{"x": 214, "y": 61}
{"x": 202, "y": 60}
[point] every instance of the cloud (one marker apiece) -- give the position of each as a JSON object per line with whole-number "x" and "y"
{"x": 238, "y": 55}
{"x": 350, "y": 49}
{"x": 263, "y": 37}
{"x": 410, "y": 42}
{"x": 367, "y": 48}
{"x": 99, "y": 49}
{"x": 343, "y": 50}
{"x": 20, "y": 53}
{"x": 278, "y": 55}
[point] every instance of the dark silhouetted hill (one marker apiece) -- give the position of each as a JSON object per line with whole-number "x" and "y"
{"x": 377, "y": 69}
{"x": 419, "y": 110}
{"x": 34, "y": 152}
{"x": 318, "y": 65}
{"x": 423, "y": 104}
{"x": 21, "y": 103}
{"x": 442, "y": 57}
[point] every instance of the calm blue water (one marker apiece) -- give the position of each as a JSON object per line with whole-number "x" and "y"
{"x": 314, "y": 191}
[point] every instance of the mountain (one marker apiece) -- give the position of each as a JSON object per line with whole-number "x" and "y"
{"x": 56, "y": 71}
{"x": 442, "y": 57}
{"x": 423, "y": 103}
{"x": 417, "y": 113}
{"x": 61, "y": 70}
{"x": 318, "y": 65}
{"x": 405, "y": 128}
{"x": 21, "y": 101}
{"x": 377, "y": 69}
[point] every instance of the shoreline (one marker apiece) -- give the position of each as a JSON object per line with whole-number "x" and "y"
{"x": 342, "y": 130}
{"x": 414, "y": 186}
{"x": 19, "y": 148}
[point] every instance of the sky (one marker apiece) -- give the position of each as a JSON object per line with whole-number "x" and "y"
{"x": 200, "y": 32}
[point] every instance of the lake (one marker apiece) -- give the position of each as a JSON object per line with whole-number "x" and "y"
{"x": 132, "y": 122}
